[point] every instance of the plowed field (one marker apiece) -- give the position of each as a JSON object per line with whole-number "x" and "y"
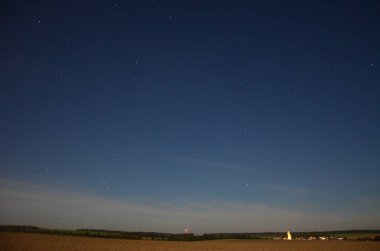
{"x": 42, "y": 242}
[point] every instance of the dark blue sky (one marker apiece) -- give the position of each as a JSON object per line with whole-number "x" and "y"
{"x": 212, "y": 115}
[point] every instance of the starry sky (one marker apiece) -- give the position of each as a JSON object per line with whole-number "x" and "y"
{"x": 216, "y": 116}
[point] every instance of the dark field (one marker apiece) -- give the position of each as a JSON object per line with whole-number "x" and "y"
{"x": 43, "y": 242}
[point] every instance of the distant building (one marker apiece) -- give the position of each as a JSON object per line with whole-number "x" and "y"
{"x": 289, "y": 236}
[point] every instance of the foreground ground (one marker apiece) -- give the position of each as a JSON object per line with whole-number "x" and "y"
{"x": 42, "y": 242}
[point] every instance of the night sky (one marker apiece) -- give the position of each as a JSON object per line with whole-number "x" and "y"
{"x": 217, "y": 116}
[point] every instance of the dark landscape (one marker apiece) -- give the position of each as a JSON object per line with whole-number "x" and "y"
{"x": 45, "y": 242}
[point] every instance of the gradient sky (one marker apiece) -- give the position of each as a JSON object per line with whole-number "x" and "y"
{"x": 217, "y": 116}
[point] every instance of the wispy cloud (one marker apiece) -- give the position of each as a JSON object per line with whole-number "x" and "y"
{"x": 26, "y": 203}
{"x": 285, "y": 189}
{"x": 211, "y": 164}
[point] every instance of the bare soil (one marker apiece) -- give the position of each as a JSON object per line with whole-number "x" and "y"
{"x": 44, "y": 242}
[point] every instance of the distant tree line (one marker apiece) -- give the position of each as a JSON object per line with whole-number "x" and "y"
{"x": 99, "y": 233}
